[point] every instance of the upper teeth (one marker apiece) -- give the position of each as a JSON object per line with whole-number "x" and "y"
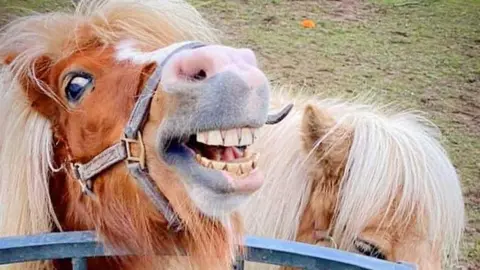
{"x": 230, "y": 137}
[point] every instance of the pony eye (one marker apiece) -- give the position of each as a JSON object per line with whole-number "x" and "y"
{"x": 77, "y": 86}
{"x": 369, "y": 249}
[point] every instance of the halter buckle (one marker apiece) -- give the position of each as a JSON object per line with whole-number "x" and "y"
{"x": 130, "y": 158}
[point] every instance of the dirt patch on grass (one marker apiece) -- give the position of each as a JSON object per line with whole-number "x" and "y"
{"x": 463, "y": 106}
{"x": 346, "y": 10}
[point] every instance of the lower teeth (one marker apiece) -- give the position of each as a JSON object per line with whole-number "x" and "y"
{"x": 240, "y": 167}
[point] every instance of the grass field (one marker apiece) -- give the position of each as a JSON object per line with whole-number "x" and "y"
{"x": 421, "y": 54}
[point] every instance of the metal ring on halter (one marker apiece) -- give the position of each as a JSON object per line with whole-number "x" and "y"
{"x": 324, "y": 236}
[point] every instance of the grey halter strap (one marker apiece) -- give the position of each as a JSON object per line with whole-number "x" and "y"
{"x": 122, "y": 150}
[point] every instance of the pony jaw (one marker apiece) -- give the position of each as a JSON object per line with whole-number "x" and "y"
{"x": 210, "y": 173}
{"x": 217, "y": 151}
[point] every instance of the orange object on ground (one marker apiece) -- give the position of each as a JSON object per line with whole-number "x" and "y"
{"x": 308, "y": 23}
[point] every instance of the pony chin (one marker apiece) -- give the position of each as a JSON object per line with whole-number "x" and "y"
{"x": 218, "y": 206}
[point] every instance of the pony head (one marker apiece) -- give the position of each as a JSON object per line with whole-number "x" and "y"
{"x": 382, "y": 185}
{"x": 359, "y": 177}
{"x": 126, "y": 127}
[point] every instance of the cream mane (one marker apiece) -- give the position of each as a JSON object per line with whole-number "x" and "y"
{"x": 275, "y": 210}
{"x": 416, "y": 166}
{"x": 25, "y": 136}
{"x": 25, "y": 155}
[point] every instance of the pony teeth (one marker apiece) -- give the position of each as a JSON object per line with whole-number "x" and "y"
{"x": 239, "y": 168}
{"x": 229, "y": 137}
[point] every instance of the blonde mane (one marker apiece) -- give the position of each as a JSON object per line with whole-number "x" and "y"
{"x": 417, "y": 179}
{"x": 275, "y": 210}
{"x": 415, "y": 175}
{"x": 25, "y": 155}
{"x": 25, "y": 137}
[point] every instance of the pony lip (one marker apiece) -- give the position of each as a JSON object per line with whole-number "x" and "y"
{"x": 249, "y": 183}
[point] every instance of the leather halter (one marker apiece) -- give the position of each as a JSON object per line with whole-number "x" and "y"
{"x": 122, "y": 150}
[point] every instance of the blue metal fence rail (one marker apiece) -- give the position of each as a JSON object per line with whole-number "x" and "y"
{"x": 78, "y": 246}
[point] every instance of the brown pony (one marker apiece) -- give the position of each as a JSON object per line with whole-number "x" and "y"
{"x": 112, "y": 121}
{"x": 364, "y": 178}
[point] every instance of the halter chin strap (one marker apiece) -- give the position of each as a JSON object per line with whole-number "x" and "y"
{"x": 122, "y": 151}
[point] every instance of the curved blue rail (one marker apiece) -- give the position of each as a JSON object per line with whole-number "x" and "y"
{"x": 83, "y": 244}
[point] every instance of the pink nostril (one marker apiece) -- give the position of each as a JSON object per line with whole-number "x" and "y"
{"x": 199, "y": 64}
{"x": 200, "y": 75}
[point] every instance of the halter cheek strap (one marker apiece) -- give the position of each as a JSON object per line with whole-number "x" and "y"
{"x": 122, "y": 150}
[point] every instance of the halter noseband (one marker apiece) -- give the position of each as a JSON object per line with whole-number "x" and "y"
{"x": 122, "y": 150}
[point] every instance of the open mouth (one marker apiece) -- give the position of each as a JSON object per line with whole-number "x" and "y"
{"x": 225, "y": 150}
{"x": 218, "y": 159}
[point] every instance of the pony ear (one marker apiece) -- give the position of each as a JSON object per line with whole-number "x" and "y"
{"x": 336, "y": 139}
{"x": 315, "y": 124}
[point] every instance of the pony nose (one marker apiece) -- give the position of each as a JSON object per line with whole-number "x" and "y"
{"x": 205, "y": 62}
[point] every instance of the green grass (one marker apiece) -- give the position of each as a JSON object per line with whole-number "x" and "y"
{"x": 421, "y": 54}
{"x": 18, "y": 7}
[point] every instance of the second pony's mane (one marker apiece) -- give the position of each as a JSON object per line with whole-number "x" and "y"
{"x": 415, "y": 174}
{"x": 284, "y": 165}
{"x": 26, "y": 136}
